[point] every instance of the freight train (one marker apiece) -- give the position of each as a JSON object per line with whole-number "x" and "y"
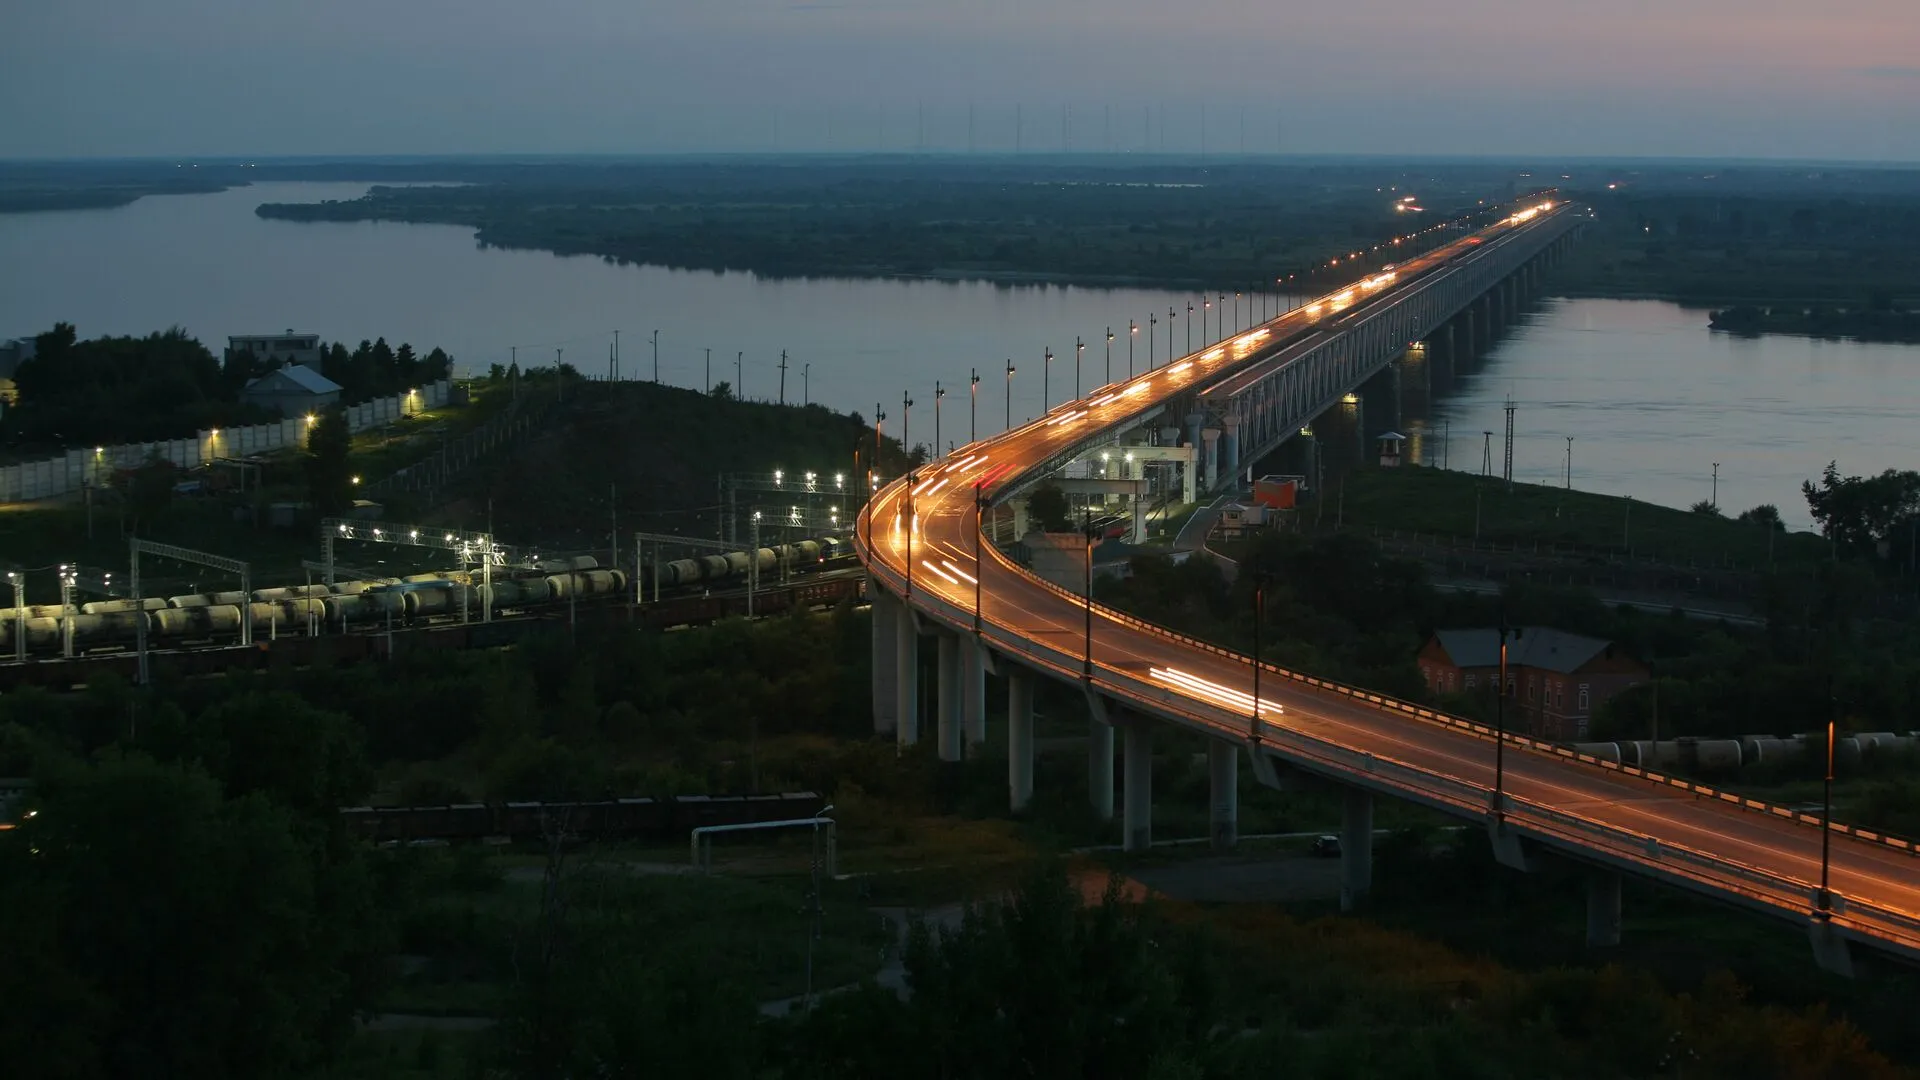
{"x": 672, "y": 816}
{"x": 215, "y": 618}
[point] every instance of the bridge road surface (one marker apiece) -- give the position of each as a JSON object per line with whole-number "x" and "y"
{"x": 1614, "y": 819}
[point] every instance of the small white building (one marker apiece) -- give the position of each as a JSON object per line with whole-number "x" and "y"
{"x": 291, "y": 347}
{"x": 293, "y": 390}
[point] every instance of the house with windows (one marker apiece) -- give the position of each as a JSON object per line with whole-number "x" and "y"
{"x": 291, "y": 347}
{"x": 1555, "y": 680}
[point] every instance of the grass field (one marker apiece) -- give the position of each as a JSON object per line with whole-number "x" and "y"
{"x": 1465, "y": 506}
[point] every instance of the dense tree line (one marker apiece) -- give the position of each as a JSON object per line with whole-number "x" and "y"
{"x": 111, "y": 390}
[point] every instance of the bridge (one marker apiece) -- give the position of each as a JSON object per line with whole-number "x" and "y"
{"x": 936, "y": 570}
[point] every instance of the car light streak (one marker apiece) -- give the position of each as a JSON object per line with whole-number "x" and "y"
{"x": 956, "y": 571}
{"x": 1140, "y": 387}
{"x": 1218, "y": 694}
{"x": 1066, "y": 418}
{"x": 1179, "y": 367}
{"x": 941, "y": 574}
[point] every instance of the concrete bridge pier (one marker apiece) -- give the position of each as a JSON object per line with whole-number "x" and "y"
{"x": 886, "y": 612}
{"x": 1223, "y": 774}
{"x": 1100, "y": 768}
{"x": 973, "y": 693}
{"x": 1356, "y": 848}
{"x": 1603, "y": 909}
{"x": 906, "y": 662}
{"x": 1380, "y": 406}
{"x": 1230, "y": 449}
{"x": 1137, "y": 818}
{"x": 1021, "y": 522}
{"x": 947, "y": 695}
{"x": 1020, "y": 738}
{"x": 1210, "y": 476}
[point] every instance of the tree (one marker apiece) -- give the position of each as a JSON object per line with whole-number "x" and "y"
{"x": 1705, "y": 509}
{"x": 723, "y": 390}
{"x": 329, "y": 471}
{"x": 156, "y": 928}
{"x": 150, "y": 489}
{"x": 1856, "y": 512}
{"x": 1765, "y": 515}
{"x": 1047, "y": 505}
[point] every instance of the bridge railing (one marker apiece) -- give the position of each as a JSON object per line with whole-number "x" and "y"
{"x": 1467, "y": 798}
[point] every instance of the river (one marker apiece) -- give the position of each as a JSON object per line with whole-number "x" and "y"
{"x": 1651, "y": 397}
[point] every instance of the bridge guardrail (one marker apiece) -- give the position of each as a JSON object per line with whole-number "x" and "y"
{"x": 1871, "y": 836}
{"x": 1760, "y": 885}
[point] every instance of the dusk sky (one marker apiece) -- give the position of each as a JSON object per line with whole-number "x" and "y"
{"x": 1695, "y": 78}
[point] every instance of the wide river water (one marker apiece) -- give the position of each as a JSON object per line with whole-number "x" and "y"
{"x": 1651, "y": 397}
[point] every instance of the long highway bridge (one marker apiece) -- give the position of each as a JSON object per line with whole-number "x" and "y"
{"x": 937, "y": 570}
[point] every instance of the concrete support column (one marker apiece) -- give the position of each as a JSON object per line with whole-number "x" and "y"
{"x": 973, "y": 698}
{"x": 1137, "y": 819}
{"x": 1230, "y": 453}
{"x": 1019, "y": 738}
{"x": 1100, "y": 769}
{"x": 886, "y": 611}
{"x": 1603, "y": 909}
{"x": 1210, "y": 474}
{"x": 1356, "y": 848}
{"x": 906, "y": 661}
{"x": 947, "y": 697}
{"x": 1021, "y": 523}
{"x": 1223, "y": 773}
{"x": 1189, "y": 477}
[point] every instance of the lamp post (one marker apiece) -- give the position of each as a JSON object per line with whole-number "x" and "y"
{"x": 1086, "y": 667}
{"x": 1078, "y": 348}
{"x": 1046, "y": 379}
{"x": 1569, "y": 463}
{"x": 1219, "y": 317}
{"x": 1236, "y": 311}
{"x": 1153, "y": 322}
{"x": 1500, "y": 727}
{"x": 656, "y": 354}
{"x": 1825, "y": 896}
{"x": 911, "y": 480}
{"x": 1009, "y": 393}
{"x": 1260, "y": 579}
{"x": 1109, "y": 378}
{"x": 1203, "y": 337}
{"x": 1170, "y": 316}
{"x": 906, "y": 417}
{"x": 873, "y": 470}
{"x": 973, "y": 406}
{"x": 1206, "y": 306}
{"x": 1133, "y": 331}
{"x": 938, "y": 393}
{"x": 979, "y": 564}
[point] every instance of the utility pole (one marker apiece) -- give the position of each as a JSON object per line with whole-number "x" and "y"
{"x": 1716, "y": 485}
{"x": 1569, "y": 463}
{"x": 656, "y": 356}
{"x": 708, "y": 388}
{"x": 740, "y": 376}
{"x": 783, "y": 376}
{"x": 1509, "y": 461}
{"x": 559, "y": 376}
{"x": 615, "y": 373}
{"x": 806, "y": 383}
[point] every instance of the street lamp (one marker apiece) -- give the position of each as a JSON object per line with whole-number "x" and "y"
{"x": 1086, "y": 669}
{"x": 1206, "y": 305}
{"x": 1109, "y": 378}
{"x": 1078, "y": 348}
{"x": 1153, "y": 321}
{"x": 1046, "y": 376}
{"x": 1170, "y": 315}
{"x": 1500, "y": 723}
{"x": 1219, "y": 315}
{"x": 1260, "y": 580}
{"x": 1133, "y": 331}
{"x": 973, "y": 406}
{"x": 979, "y": 564}
{"x": 1009, "y": 393}
{"x": 906, "y": 417}
{"x": 1203, "y": 337}
{"x": 938, "y": 393}
{"x": 1236, "y": 310}
{"x": 911, "y": 480}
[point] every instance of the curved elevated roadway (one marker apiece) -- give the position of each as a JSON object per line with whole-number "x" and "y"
{"x": 922, "y": 541}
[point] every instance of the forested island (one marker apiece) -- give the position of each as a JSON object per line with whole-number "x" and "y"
{"x": 1876, "y": 320}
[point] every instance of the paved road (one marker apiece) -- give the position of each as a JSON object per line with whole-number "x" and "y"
{"x": 935, "y": 542}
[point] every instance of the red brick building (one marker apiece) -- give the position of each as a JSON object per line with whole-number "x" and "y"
{"x": 1555, "y": 680}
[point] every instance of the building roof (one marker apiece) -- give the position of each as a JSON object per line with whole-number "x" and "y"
{"x": 302, "y": 377}
{"x": 1537, "y": 647}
